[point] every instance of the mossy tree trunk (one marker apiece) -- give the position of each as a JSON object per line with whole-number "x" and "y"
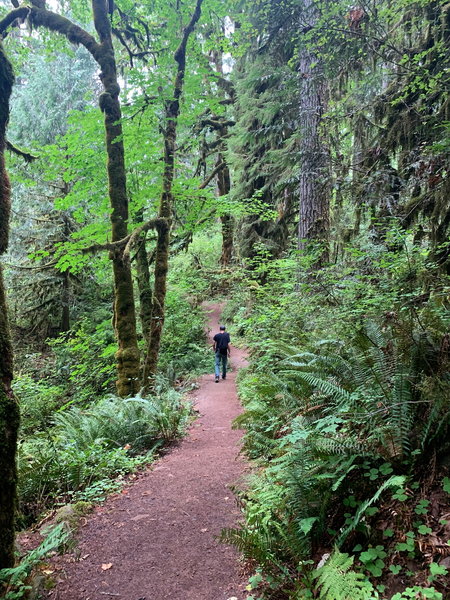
{"x": 124, "y": 309}
{"x": 127, "y": 354}
{"x": 224, "y": 186}
{"x": 9, "y": 409}
{"x": 65, "y": 294}
{"x": 227, "y": 92}
{"x": 172, "y": 110}
{"x": 143, "y": 282}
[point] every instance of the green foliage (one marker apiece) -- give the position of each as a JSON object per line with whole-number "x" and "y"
{"x": 38, "y": 401}
{"x": 183, "y": 347}
{"x": 337, "y": 581}
{"x": 136, "y": 422}
{"x": 15, "y": 579}
{"x": 340, "y": 410}
{"x": 418, "y": 591}
{"x": 85, "y": 359}
{"x": 86, "y": 448}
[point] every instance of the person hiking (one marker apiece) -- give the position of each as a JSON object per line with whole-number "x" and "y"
{"x": 221, "y": 348}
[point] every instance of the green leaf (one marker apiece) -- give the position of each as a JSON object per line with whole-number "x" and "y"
{"x": 307, "y": 524}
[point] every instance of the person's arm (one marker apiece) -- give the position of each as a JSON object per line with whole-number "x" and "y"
{"x": 229, "y": 346}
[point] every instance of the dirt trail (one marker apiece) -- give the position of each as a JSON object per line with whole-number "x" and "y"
{"x": 159, "y": 534}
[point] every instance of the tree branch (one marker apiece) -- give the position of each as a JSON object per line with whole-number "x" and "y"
{"x": 21, "y": 12}
{"x": 25, "y": 155}
{"x": 217, "y": 123}
{"x": 159, "y": 223}
{"x": 129, "y": 241}
{"x": 219, "y": 167}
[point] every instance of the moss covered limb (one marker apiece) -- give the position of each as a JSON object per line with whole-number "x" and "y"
{"x": 224, "y": 187}
{"x": 145, "y": 289}
{"x": 9, "y": 410}
{"x": 143, "y": 281}
{"x": 6, "y": 83}
{"x": 103, "y": 52}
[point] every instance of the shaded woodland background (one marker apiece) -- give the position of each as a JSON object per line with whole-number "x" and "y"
{"x": 291, "y": 157}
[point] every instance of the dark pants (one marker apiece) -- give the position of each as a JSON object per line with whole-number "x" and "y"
{"x": 221, "y": 358}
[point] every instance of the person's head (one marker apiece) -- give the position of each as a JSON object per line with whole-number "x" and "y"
{"x": 222, "y": 327}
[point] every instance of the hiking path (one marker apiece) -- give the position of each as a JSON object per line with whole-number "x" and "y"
{"x": 156, "y": 540}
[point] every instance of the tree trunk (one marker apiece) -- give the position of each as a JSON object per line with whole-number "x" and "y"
{"x": 9, "y": 409}
{"x": 65, "y": 294}
{"x": 314, "y": 185}
{"x": 357, "y": 169}
{"x": 127, "y": 354}
{"x": 172, "y": 110}
{"x": 224, "y": 186}
{"x": 223, "y": 176}
{"x": 144, "y": 287}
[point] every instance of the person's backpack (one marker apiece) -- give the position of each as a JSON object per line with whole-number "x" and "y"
{"x": 222, "y": 345}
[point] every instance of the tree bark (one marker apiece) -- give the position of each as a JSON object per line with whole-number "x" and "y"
{"x": 172, "y": 110}
{"x": 127, "y": 355}
{"x": 144, "y": 287}
{"x": 224, "y": 186}
{"x": 65, "y": 293}
{"x": 314, "y": 184}
{"x": 223, "y": 175}
{"x": 9, "y": 409}
{"x": 124, "y": 318}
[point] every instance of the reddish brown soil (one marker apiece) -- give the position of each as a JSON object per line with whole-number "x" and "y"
{"x": 158, "y": 537}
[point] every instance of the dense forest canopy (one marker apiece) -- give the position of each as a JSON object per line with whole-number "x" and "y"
{"x": 290, "y": 157}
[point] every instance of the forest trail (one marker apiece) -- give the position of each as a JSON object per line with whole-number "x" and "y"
{"x": 157, "y": 537}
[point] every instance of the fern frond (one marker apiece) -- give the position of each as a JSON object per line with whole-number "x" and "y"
{"x": 336, "y": 580}
{"x": 327, "y": 387}
{"x": 394, "y": 481}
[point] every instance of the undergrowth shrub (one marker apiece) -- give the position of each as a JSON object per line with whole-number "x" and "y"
{"x": 38, "y": 401}
{"x": 344, "y": 414}
{"x": 93, "y": 445}
{"x": 14, "y": 581}
{"x": 84, "y": 360}
{"x": 183, "y": 348}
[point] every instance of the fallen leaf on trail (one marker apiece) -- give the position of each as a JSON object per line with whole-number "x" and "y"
{"x": 203, "y": 530}
{"x": 85, "y": 556}
{"x": 47, "y": 571}
{"x": 226, "y": 498}
{"x": 106, "y": 566}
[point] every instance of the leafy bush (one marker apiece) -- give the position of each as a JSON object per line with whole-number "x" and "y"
{"x": 183, "y": 340}
{"x": 116, "y": 422}
{"x": 85, "y": 360}
{"x": 93, "y": 445}
{"x": 38, "y": 400}
{"x": 343, "y": 413}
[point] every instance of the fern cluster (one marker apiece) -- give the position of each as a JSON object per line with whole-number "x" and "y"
{"x": 86, "y": 448}
{"x": 327, "y": 424}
